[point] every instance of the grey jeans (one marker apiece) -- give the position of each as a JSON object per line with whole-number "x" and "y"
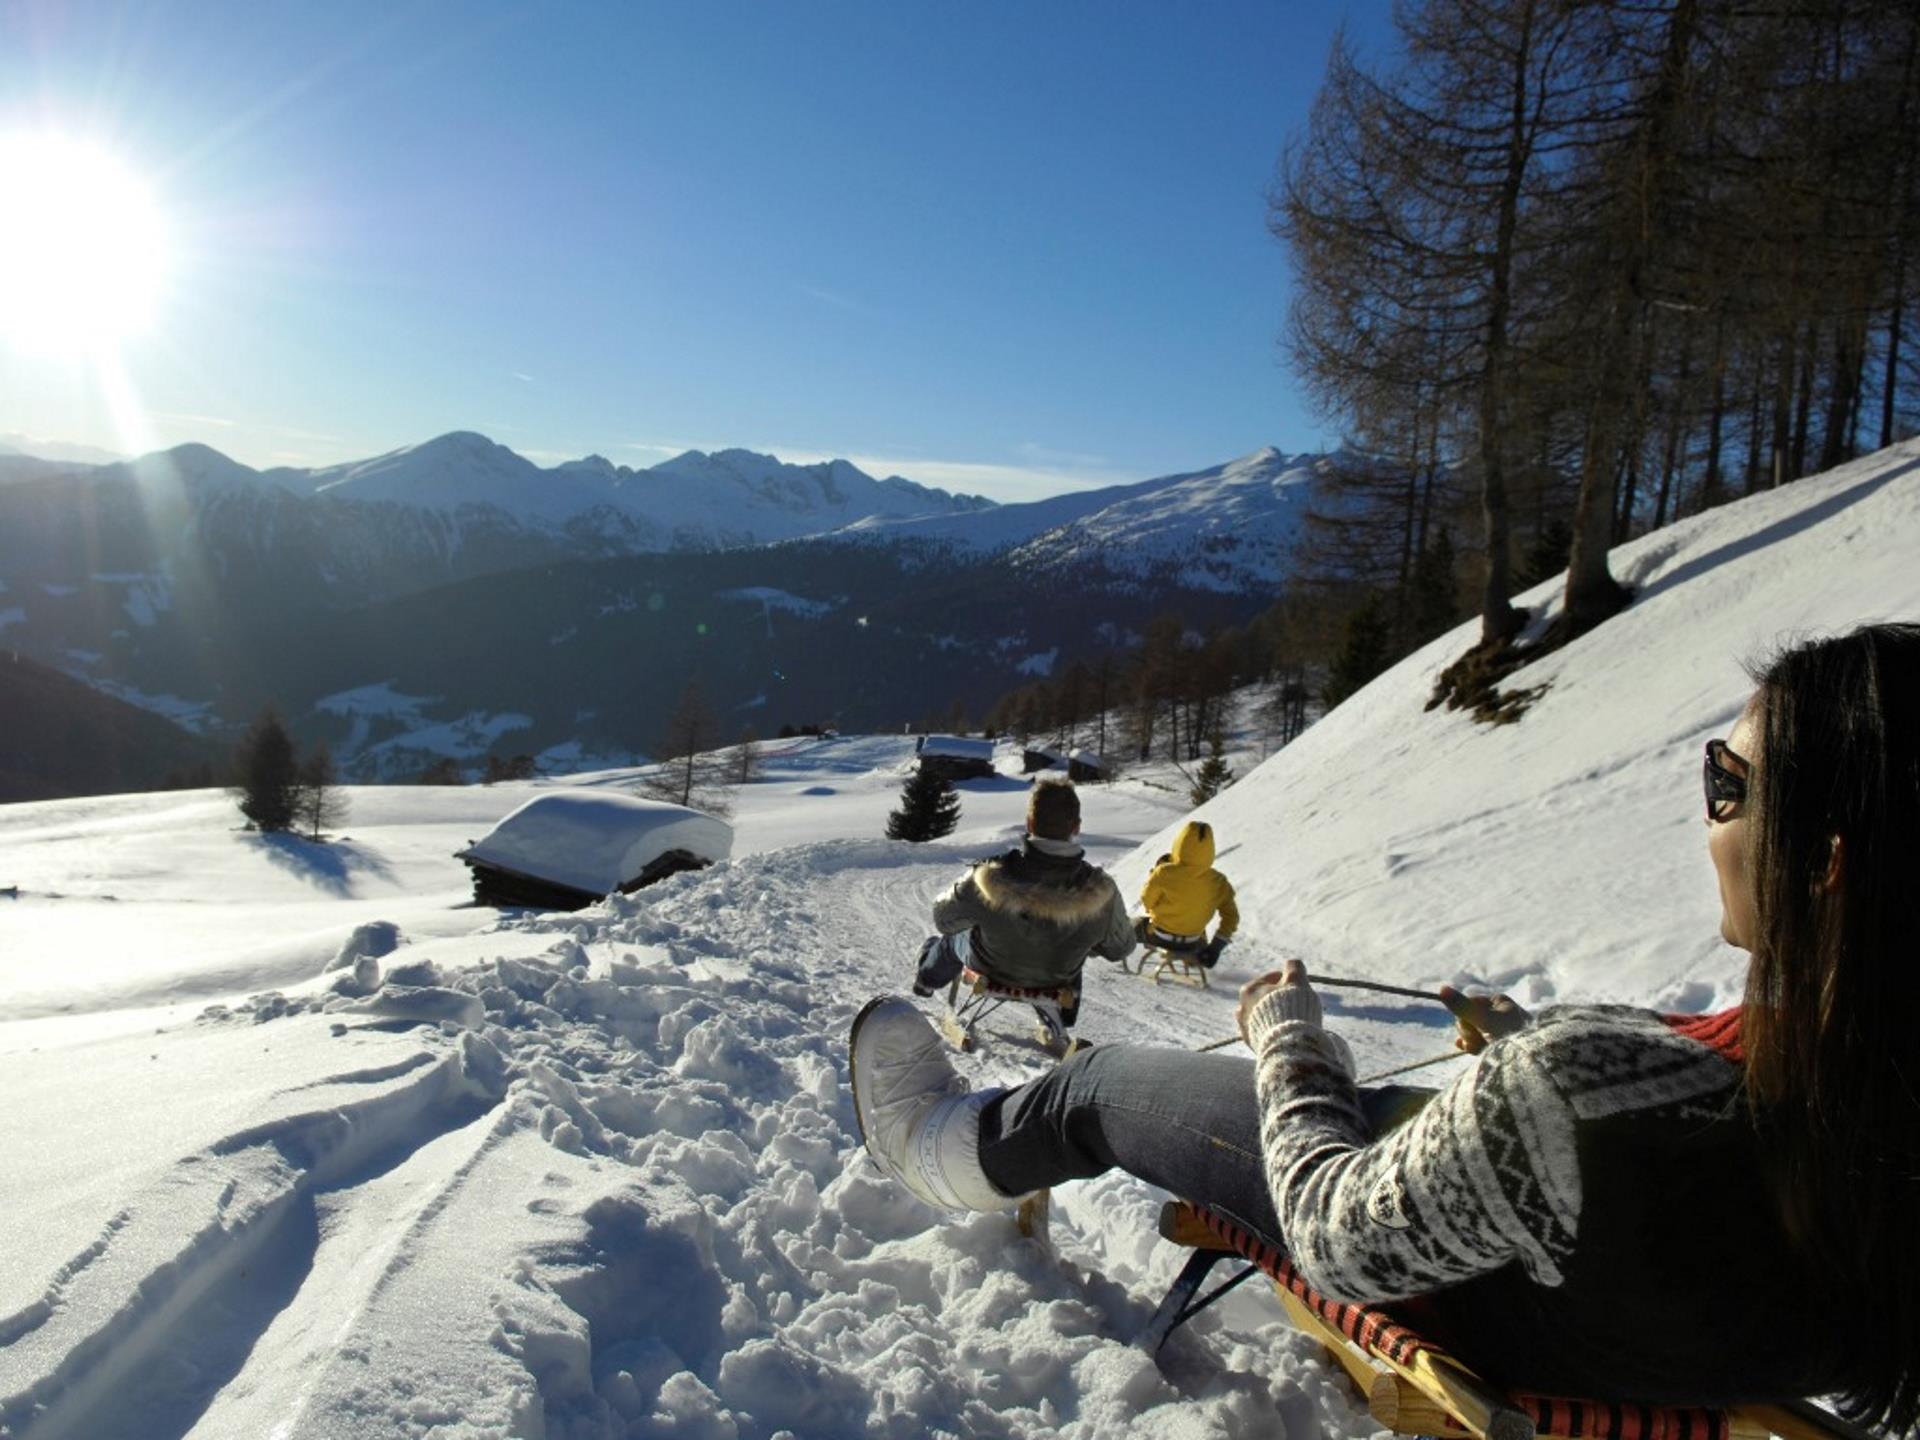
{"x": 1186, "y": 1122}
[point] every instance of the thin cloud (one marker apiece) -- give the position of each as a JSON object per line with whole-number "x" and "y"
{"x": 669, "y": 448}
{"x": 1045, "y": 455}
{"x": 521, "y": 376}
{"x": 187, "y": 419}
{"x": 839, "y": 301}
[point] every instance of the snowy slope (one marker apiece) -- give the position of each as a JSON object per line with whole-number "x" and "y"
{"x": 596, "y": 1175}
{"x": 1421, "y": 846}
{"x": 1226, "y": 528}
{"x": 458, "y": 469}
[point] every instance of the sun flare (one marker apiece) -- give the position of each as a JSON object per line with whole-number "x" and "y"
{"x": 84, "y": 252}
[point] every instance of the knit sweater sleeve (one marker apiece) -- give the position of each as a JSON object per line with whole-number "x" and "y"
{"x": 1485, "y": 1174}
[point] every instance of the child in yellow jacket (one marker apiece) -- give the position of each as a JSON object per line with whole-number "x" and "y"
{"x": 1184, "y": 892}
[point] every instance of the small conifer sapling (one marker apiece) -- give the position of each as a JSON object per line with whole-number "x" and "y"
{"x": 929, "y": 807}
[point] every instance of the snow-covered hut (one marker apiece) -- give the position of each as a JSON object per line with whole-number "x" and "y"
{"x": 955, "y": 757}
{"x": 1083, "y": 765}
{"x": 567, "y": 849}
{"x": 1040, "y": 757}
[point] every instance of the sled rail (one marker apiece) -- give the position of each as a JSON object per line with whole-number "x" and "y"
{"x": 1414, "y": 1387}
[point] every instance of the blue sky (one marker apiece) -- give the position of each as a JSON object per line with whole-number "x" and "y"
{"x": 1005, "y": 248}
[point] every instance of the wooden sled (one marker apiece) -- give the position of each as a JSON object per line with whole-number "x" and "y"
{"x": 1177, "y": 957}
{"x": 974, "y": 996}
{"x": 1413, "y": 1387}
{"x": 1183, "y": 967}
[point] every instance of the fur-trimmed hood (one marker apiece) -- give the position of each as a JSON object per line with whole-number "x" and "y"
{"x": 1056, "y": 890}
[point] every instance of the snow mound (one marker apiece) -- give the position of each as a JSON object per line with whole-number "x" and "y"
{"x": 717, "y": 1257}
{"x": 596, "y": 841}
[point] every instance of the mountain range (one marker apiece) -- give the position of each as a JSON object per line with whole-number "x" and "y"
{"x": 453, "y": 597}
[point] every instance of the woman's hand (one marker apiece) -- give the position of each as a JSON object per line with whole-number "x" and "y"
{"x": 1292, "y": 977}
{"x": 1482, "y": 1018}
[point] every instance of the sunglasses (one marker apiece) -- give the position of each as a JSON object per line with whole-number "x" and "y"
{"x": 1725, "y": 788}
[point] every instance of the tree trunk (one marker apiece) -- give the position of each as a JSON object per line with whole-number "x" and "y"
{"x": 1803, "y": 404}
{"x": 1675, "y": 411}
{"x": 1782, "y": 410}
{"x": 1710, "y": 486}
{"x": 1626, "y": 485}
{"x": 1836, "y": 441}
{"x": 1667, "y": 465}
{"x": 1902, "y": 230}
{"x": 1592, "y": 594}
{"x": 1498, "y": 619}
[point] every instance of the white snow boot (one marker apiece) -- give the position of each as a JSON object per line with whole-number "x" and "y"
{"x": 921, "y": 1125}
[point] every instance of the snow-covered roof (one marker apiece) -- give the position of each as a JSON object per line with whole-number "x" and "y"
{"x": 1083, "y": 756}
{"x": 958, "y": 748}
{"x": 595, "y": 840}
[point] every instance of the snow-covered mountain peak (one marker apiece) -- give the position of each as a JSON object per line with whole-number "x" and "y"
{"x": 594, "y": 465}
{"x": 191, "y": 464}
{"x": 1226, "y": 527}
{"x": 1266, "y": 462}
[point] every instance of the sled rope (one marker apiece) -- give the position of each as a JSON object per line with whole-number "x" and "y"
{"x": 1384, "y": 989}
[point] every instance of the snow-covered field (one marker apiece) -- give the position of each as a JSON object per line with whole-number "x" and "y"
{"x": 596, "y": 1175}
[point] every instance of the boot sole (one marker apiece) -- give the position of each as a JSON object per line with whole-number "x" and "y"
{"x": 853, "y": 1052}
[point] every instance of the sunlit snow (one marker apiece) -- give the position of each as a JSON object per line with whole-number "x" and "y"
{"x": 299, "y": 1143}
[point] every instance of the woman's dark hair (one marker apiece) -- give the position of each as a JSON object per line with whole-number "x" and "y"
{"x": 1832, "y": 1019}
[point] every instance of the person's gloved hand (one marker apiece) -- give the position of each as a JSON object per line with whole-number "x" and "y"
{"x": 1483, "y": 1018}
{"x": 1210, "y": 952}
{"x": 1140, "y": 928}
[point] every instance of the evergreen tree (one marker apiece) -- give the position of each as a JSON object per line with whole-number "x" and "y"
{"x": 1213, "y": 776}
{"x": 318, "y": 802}
{"x": 929, "y": 807}
{"x": 509, "y": 767}
{"x": 1363, "y": 656}
{"x": 267, "y": 773}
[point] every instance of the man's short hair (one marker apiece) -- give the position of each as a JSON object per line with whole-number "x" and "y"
{"x": 1053, "y": 810}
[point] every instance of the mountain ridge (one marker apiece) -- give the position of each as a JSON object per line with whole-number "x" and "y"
{"x": 191, "y": 583}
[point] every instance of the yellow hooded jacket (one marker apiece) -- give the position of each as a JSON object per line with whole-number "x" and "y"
{"x": 1184, "y": 890}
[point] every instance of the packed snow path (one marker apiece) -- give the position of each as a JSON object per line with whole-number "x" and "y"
{"x": 691, "y": 1243}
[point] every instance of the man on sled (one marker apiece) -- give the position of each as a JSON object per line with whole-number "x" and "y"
{"x": 1022, "y": 924}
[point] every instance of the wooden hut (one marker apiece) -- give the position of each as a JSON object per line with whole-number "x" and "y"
{"x": 955, "y": 757}
{"x": 570, "y": 848}
{"x": 1083, "y": 765}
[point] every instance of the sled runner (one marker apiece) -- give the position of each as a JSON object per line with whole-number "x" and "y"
{"x": 1182, "y": 966}
{"x": 974, "y": 996}
{"x": 1413, "y": 1387}
{"x": 1175, "y": 957}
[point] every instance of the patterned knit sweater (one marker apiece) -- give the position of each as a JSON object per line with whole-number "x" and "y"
{"x": 1586, "y": 1198}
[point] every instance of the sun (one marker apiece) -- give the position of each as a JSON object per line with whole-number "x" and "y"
{"x": 83, "y": 250}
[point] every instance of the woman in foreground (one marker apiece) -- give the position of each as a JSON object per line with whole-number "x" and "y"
{"x": 1611, "y": 1203}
